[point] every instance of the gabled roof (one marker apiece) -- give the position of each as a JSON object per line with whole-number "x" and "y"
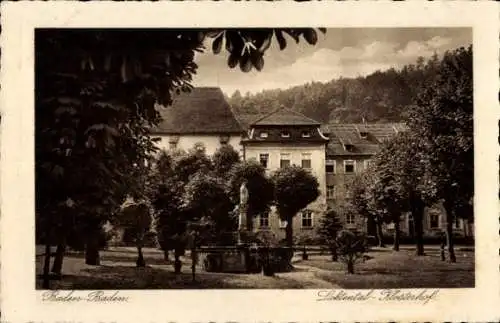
{"x": 341, "y": 134}
{"x": 201, "y": 111}
{"x": 285, "y": 117}
{"x": 246, "y": 119}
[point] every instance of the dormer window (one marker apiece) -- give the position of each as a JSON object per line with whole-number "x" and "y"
{"x": 172, "y": 142}
{"x": 363, "y": 134}
{"x": 348, "y": 147}
{"x": 224, "y": 139}
{"x": 263, "y": 135}
{"x": 285, "y": 134}
{"x": 199, "y": 147}
{"x": 306, "y": 134}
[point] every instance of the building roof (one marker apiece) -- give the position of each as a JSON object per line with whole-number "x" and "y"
{"x": 204, "y": 110}
{"x": 350, "y": 134}
{"x": 246, "y": 119}
{"x": 284, "y": 117}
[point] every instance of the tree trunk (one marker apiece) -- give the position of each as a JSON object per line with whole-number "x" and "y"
{"x": 380, "y": 235}
{"x": 140, "y": 258}
{"x": 449, "y": 231}
{"x": 289, "y": 232}
{"x": 397, "y": 234}
{"x": 46, "y": 264}
{"x": 333, "y": 251}
{"x": 418, "y": 216}
{"x": 194, "y": 260}
{"x": 177, "y": 261}
{"x": 92, "y": 249}
{"x": 350, "y": 266}
{"x": 305, "y": 256}
{"x": 58, "y": 260}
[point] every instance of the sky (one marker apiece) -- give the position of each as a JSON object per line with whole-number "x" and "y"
{"x": 341, "y": 52}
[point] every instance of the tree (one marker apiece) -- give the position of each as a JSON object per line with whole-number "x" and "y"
{"x": 405, "y": 183}
{"x": 260, "y": 189}
{"x": 363, "y": 204}
{"x": 295, "y": 188}
{"x": 136, "y": 217}
{"x": 187, "y": 165}
{"x": 443, "y": 117}
{"x": 205, "y": 198}
{"x": 386, "y": 192}
{"x": 96, "y": 95}
{"x": 224, "y": 159}
{"x": 165, "y": 193}
{"x": 351, "y": 248}
{"x": 328, "y": 230}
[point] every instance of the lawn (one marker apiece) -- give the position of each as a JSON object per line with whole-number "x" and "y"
{"x": 385, "y": 269}
{"x": 403, "y": 269}
{"x": 118, "y": 271}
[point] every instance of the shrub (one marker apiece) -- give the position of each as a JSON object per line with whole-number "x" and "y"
{"x": 351, "y": 247}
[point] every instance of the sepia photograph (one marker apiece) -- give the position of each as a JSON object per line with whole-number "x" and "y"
{"x": 274, "y": 158}
{"x": 248, "y": 162}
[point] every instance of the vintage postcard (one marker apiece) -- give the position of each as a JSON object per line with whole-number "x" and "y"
{"x": 205, "y": 161}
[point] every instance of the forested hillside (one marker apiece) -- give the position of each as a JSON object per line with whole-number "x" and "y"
{"x": 379, "y": 97}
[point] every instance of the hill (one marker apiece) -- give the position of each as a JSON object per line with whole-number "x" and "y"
{"x": 382, "y": 96}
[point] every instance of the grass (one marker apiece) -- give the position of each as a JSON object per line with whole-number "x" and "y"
{"x": 118, "y": 271}
{"x": 403, "y": 269}
{"x": 385, "y": 269}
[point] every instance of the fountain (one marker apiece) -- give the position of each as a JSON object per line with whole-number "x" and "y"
{"x": 246, "y": 256}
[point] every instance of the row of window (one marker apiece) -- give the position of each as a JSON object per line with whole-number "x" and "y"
{"x": 434, "y": 221}
{"x": 349, "y": 165}
{"x": 285, "y": 160}
{"x": 286, "y": 134}
{"x": 306, "y": 220}
{"x": 350, "y": 219}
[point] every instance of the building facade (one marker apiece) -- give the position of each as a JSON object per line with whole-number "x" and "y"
{"x": 334, "y": 153}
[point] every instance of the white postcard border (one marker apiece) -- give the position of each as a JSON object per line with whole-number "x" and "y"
{"x": 21, "y": 303}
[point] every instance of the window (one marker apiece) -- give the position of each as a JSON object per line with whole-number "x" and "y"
{"x": 434, "y": 221}
{"x": 350, "y": 219}
{"x": 263, "y": 135}
{"x": 263, "y": 159}
{"x": 457, "y": 223}
{"x": 306, "y": 134}
{"x": 285, "y": 134}
{"x": 199, "y": 146}
{"x": 348, "y": 147}
{"x": 368, "y": 163}
{"x": 363, "y": 134}
{"x": 349, "y": 166}
{"x": 330, "y": 192}
{"x": 307, "y": 219}
{"x": 330, "y": 166}
{"x": 306, "y": 161}
{"x": 285, "y": 160}
{"x": 283, "y": 224}
{"x": 347, "y": 192}
{"x": 264, "y": 220}
{"x": 172, "y": 142}
{"x": 224, "y": 139}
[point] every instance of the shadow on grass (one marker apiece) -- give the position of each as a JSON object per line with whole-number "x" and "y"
{"x": 128, "y": 277}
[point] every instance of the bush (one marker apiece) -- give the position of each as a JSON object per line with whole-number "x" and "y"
{"x": 351, "y": 247}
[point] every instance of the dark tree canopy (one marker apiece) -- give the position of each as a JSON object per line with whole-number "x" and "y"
{"x": 294, "y": 189}
{"x": 260, "y": 188}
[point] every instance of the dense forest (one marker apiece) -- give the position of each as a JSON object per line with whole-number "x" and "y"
{"x": 382, "y": 96}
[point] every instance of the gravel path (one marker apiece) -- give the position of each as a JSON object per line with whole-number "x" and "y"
{"x": 306, "y": 275}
